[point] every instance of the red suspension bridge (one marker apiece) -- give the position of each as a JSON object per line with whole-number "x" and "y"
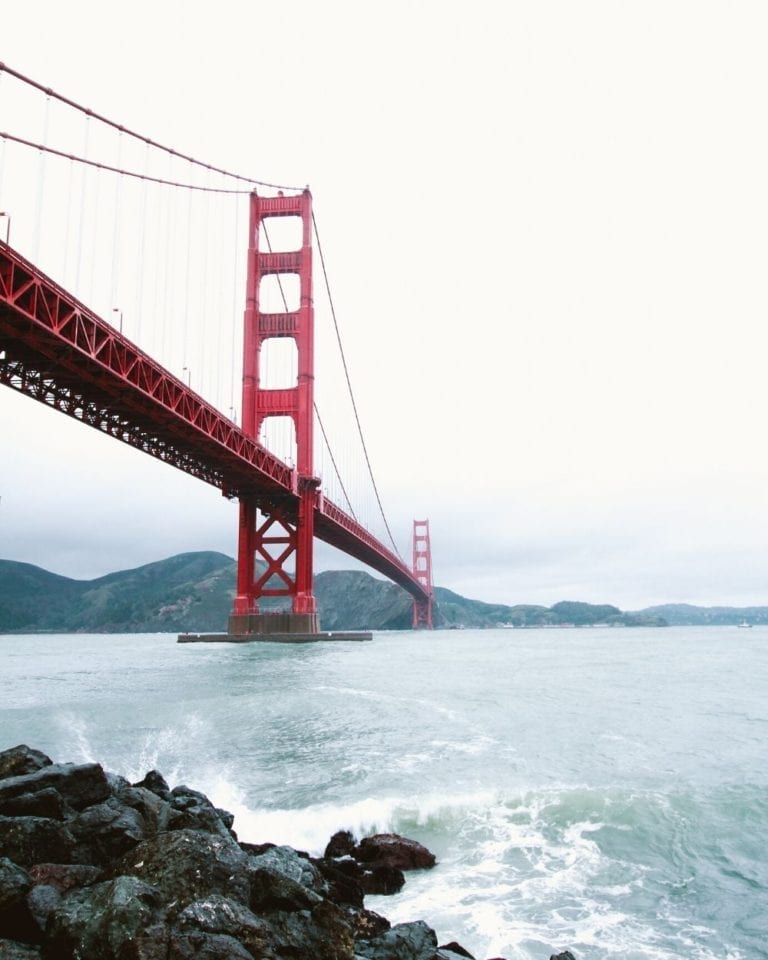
{"x": 60, "y": 352}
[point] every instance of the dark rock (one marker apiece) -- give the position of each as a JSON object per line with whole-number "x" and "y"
{"x": 449, "y": 951}
{"x": 146, "y": 946}
{"x": 43, "y": 803}
{"x": 382, "y": 878}
{"x": 405, "y": 941}
{"x": 15, "y": 883}
{"x": 274, "y": 891}
{"x": 154, "y": 811}
{"x": 341, "y": 844}
{"x": 11, "y": 950}
{"x": 323, "y": 933}
{"x": 206, "y": 946}
{"x": 155, "y": 782}
{"x": 216, "y": 914}
{"x": 182, "y": 793}
{"x": 95, "y": 922}
{"x": 65, "y": 876}
{"x": 105, "y": 831}
{"x": 186, "y": 865}
{"x": 22, "y": 759}
{"x": 565, "y": 955}
{"x": 16, "y": 922}
{"x": 290, "y": 863}
{"x": 198, "y": 817}
{"x": 192, "y": 810}
{"x": 283, "y": 880}
{"x": 227, "y": 818}
{"x": 341, "y": 887}
{"x": 41, "y": 903}
{"x": 256, "y": 848}
{"x": 29, "y": 840}
{"x": 366, "y": 924}
{"x": 79, "y": 785}
{"x": 395, "y": 850}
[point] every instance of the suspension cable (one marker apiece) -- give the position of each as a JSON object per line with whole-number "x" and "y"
{"x": 137, "y": 136}
{"x": 126, "y": 173}
{"x": 349, "y": 385}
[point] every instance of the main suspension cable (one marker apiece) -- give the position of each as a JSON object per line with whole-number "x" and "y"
{"x": 137, "y": 136}
{"x": 125, "y": 173}
{"x": 349, "y": 385}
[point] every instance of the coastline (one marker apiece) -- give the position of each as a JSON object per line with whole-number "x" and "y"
{"x": 93, "y": 867}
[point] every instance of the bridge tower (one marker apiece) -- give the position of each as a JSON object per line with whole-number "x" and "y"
{"x": 422, "y": 569}
{"x": 271, "y": 531}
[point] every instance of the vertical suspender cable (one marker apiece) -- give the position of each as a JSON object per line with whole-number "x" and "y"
{"x": 95, "y": 245}
{"x": 141, "y": 228}
{"x": 185, "y": 318}
{"x": 115, "y": 230}
{"x": 79, "y": 239}
{"x": 41, "y": 183}
{"x": 68, "y": 242}
{"x": 232, "y": 410}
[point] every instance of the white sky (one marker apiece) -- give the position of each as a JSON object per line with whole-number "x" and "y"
{"x": 547, "y": 228}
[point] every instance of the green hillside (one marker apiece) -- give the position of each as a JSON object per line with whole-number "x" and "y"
{"x": 194, "y": 592}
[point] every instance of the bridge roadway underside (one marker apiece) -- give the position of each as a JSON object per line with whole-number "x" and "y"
{"x": 52, "y": 348}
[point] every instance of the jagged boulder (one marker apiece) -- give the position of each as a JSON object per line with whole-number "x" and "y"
{"x": 42, "y": 803}
{"x": 341, "y": 844}
{"x": 80, "y": 785}
{"x": 404, "y": 941}
{"x": 155, "y": 782}
{"x": 191, "y": 810}
{"x": 154, "y": 811}
{"x": 17, "y": 761}
{"x": 323, "y": 933}
{"x": 16, "y": 922}
{"x": 342, "y": 885}
{"x": 65, "y": 876}
{"x": 105, "y": 831}
{"x": 394, "y": 850}
{"x": 11, "y": 950}
{"x": 15, "y": 883}
{"x": 96, "y": 922}
{"x": 187, "y": 865}
{"x": 452, "y": 950}
{"x": 30, "y": 840}
{"x": 218, "y": 915}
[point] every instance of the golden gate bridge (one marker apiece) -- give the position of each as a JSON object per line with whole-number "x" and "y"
{"x": 123, "y": 219}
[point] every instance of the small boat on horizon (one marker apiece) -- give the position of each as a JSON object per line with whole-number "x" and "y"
{"x": 744, "y": 624}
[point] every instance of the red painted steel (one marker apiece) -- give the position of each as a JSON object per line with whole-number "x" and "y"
{"x": 422, "y": 570}
{"x": 257, "y": 536}
{"x": 57, "y": 351}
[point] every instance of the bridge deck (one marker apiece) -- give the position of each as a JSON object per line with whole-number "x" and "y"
{"x": 54, "y": 349}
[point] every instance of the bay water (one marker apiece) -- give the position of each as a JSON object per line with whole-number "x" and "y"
{"x": 602, "y": 790}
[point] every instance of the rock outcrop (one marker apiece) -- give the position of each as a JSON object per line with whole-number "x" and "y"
{"x": 95, "y": 868}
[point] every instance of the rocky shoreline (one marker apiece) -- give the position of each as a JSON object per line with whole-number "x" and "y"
{"x": 93, "y": 867}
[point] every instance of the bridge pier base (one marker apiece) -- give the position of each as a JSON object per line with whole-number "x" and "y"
{"x": 284, "y": 627}
{"x": 245, "y": 624}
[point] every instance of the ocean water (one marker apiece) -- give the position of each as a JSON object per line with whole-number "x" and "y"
{"x": 600, "y": 790}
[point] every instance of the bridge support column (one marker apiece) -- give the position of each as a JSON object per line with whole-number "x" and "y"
{"x": 422, "y": 569}
{"x": 276, "y": 538}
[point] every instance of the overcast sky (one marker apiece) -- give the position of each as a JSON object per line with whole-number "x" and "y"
{"x": 547, "y": 227}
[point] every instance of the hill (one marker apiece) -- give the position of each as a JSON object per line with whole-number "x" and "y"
{"x": 194, "y": 592}
{"x": 684, "y": 614}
